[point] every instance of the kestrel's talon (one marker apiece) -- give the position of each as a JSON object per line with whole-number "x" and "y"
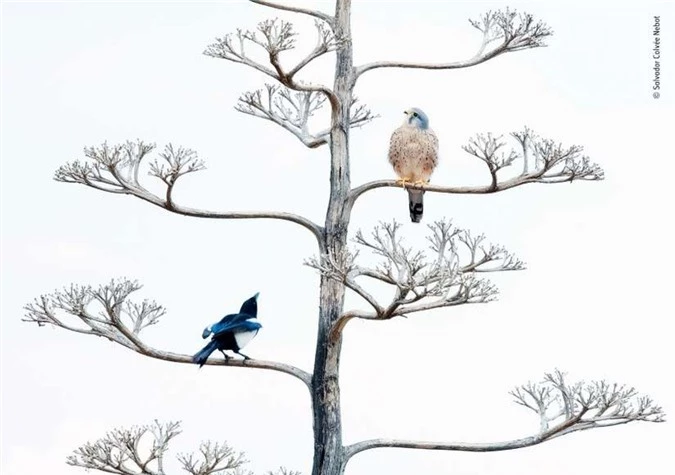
{"x": 402, "y": 182}
{"x": 421, "y": 183}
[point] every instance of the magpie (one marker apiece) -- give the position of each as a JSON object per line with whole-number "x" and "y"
{"x": 232, "y": 332}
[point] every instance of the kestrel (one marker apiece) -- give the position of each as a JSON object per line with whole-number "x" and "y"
{"x": 413, "y": 152}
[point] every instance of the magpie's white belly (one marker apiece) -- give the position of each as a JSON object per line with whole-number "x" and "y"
{"x": 242, "y": 338}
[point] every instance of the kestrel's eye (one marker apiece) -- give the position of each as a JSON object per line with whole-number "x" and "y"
{"x": 415, "y": 114}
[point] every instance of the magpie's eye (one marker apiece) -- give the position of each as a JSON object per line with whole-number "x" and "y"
{"x": 415, "y": 114}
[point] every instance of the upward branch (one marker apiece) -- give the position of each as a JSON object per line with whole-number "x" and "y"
{"x": 503, "y": 32}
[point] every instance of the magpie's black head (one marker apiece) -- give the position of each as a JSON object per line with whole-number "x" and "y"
{"x": 250, "y": 307}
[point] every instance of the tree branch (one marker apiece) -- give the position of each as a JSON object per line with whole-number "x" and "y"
{"x": 275, "y": 36}
{"x": 342, "y": 269}
{"x": 562, "y": 408}
{"x": 120, "y": 320}
{"x": 514, "y": 32}
{"x": 293, "y": 110}
{"x": 290, "y": 110}
{"x": 444, "y": 276}
{"x": 119, "y": 451}
{"x": 305, "y": 11}
{"x": 116, "y": 169}
{"x": 325, "y": 43}
{"x": 213, "y": 459}
{"x": 554, "y": 163}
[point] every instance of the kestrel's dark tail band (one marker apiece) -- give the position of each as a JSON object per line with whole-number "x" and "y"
{"x": 416, "y": 205}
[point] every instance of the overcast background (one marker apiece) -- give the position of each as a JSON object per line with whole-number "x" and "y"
{"x": 595, "y": 299}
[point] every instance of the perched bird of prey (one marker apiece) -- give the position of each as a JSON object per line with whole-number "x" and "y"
{"x": 413, "y": 152}
{"x": 233, "y": 332}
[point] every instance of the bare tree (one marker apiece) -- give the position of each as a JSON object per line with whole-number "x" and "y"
{"x": 446, "y": 274}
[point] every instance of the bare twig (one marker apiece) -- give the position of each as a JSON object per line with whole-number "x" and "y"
{"x": 486, "y": 148}
{"x": 120, "y": 450}
{"x": 121, "y": 320}
{"x": 212, "y": 459}
{"x": 176, "y": 163}
{"x": 291, "y": 110}
{"x": 562, "y": 407}
{"x": 554, "y": 163}
{"x": 503, "y": 32}
{"x": 326, "y": 42}
{"x": 116, "y": 169}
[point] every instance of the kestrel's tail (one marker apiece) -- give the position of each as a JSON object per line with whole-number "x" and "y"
{"x": 416, "y": 205}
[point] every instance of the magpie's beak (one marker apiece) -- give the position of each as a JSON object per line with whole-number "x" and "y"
{"x": 256, "y": 295}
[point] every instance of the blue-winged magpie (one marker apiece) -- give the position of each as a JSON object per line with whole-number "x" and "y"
{"x": 232, "y": 332}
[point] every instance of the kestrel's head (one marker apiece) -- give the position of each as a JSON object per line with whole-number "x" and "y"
{"x": 416, "y": 118}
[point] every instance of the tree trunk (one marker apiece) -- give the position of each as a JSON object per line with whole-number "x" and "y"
{"x": 328, "y": 450}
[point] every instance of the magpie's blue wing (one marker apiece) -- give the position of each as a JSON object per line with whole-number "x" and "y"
{"x": 229, "y": 323}
{"x": 248, "y": 325}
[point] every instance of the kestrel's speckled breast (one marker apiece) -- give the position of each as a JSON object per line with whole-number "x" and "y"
{"x": 413, "y": 153}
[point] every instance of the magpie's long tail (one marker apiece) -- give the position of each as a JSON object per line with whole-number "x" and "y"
{"x": 416, "y": 204}
{"x": 204, "y": 353}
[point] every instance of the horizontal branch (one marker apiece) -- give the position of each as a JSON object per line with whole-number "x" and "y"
{"x": 471, "y": 190}
{"x": 117, "y": 169}
{"x": 305, "y": 11}
{"x": 362, "y": 446}
{"x": 120, "y": 320}
{"x": 513, "y": 31}
{"x": 575, "y": 407}
{"x": 552, "y": 163}
{"x": 300, "y": 374}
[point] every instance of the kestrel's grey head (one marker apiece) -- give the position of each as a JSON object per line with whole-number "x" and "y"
{"x": 416, "y": 118}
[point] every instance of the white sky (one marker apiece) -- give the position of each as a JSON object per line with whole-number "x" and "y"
{"x": 595, "y": 299}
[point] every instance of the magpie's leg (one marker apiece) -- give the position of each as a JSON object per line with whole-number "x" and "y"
{"x": 227, "y": 357}
{"x": 242, "y": 354}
